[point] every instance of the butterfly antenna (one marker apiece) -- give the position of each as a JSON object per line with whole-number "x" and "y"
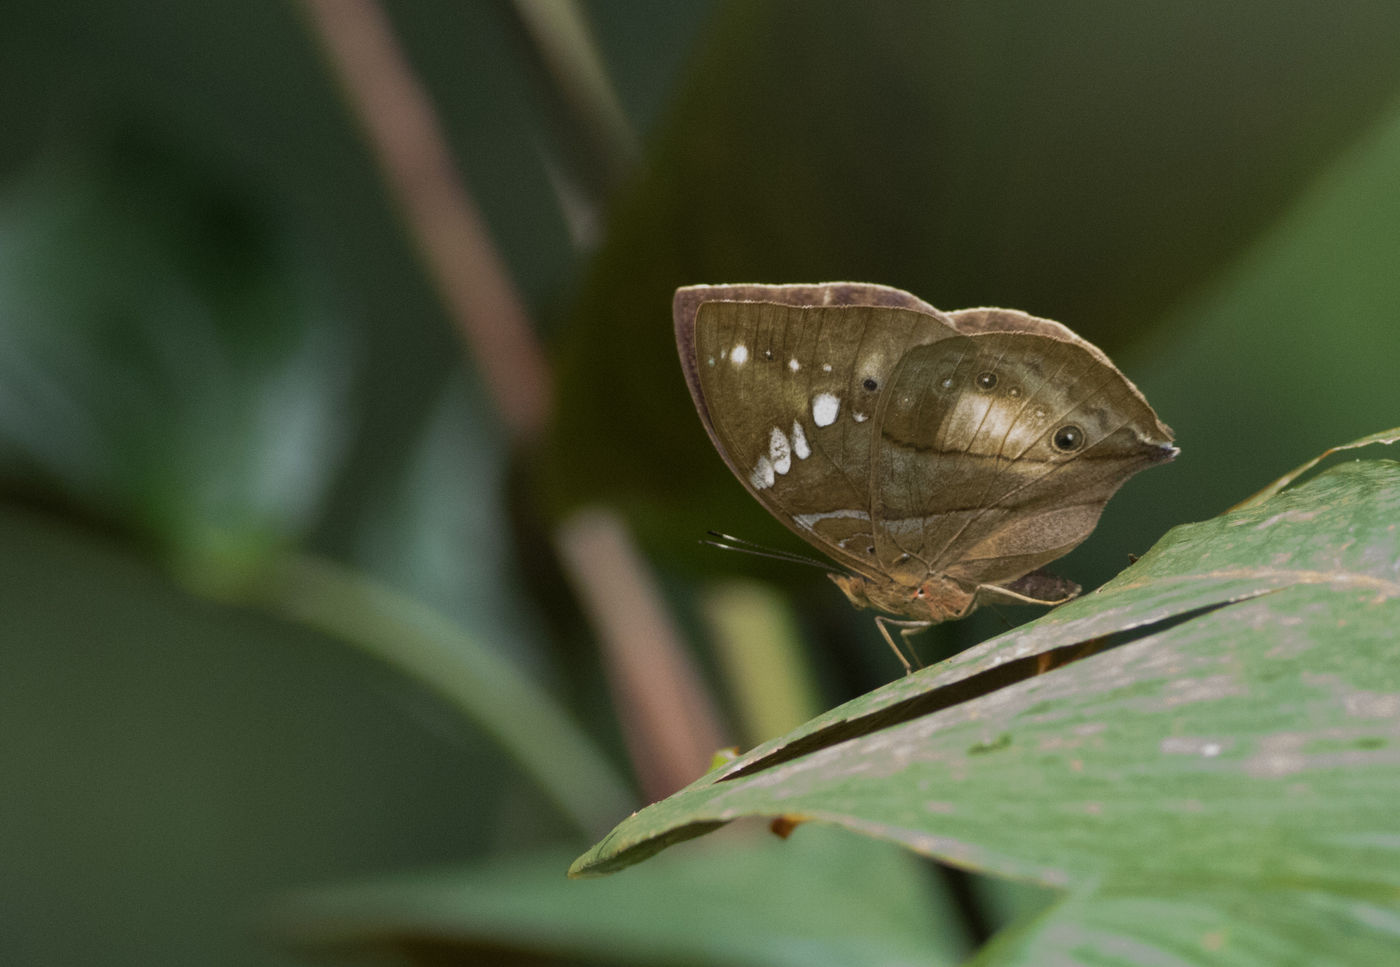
{"x": 728, "y": 542}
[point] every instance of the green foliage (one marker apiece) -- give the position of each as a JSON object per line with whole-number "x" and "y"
{"x": 1253, "y": 739}
{"x": 822, "y": 899}
{"x": 1246, "y": 751}
{"x": 166, "y": 360}
{"x": 237, "y": 435}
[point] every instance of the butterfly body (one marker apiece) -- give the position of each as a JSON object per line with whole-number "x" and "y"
{"x": 933, "y": 601}
{"x": 939, "y": 458}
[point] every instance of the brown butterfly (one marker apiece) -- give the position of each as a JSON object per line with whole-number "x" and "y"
{"x": 939, "y": 458}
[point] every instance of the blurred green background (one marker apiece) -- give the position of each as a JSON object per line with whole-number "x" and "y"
{"x": 219, "y": 348}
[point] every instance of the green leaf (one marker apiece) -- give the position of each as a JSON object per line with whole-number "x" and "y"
{"x": 1384, "y": 436}
{"x": 1246, "y": 928}
{"x": 1249, "y": 733}
{"x": 820, "y": 897}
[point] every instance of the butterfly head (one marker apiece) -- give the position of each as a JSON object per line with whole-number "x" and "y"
{"x": 933, "y": 600}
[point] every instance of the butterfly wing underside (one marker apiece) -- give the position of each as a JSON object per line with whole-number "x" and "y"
{"x": 967, "y": 479}
{"x": 789, "y": 394}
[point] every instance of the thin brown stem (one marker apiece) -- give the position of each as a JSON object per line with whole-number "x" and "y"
{"x": 671, "y": 728}
{"x": 397, "y": 117}
{"x": 597, "y": 146}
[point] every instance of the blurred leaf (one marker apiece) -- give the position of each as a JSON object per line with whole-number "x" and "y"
{"x": 1292, "y": 348}
{"x": 755, "y": 638}
{"x": 168, "y": 762}
{"x": 166, "y": 362}
{"x": 439, "y": 530}
{"x": 1247, "y": 928}
{"x": 820, "y": 897}
{"x": 416, "y": 640}
{"x": 1251, "y": 737}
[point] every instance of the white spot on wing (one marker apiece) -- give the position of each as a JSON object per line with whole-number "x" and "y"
{"x": 810, "y": 521}
{"x": 794, "y": 365}
{"x": 859, "y": 417}
{"x": 739, "y": 354}
{"x": 826, "y": 367}
{"x": 799, "y": 442}
{"x": 825, "y": 407}
{"x": 779, "y": 451}
{"x": 762, "y": 477}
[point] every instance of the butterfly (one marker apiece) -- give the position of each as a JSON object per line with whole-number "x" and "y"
{"x": 939, "y": 458}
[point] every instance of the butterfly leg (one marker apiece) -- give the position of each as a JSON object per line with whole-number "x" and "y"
{"x": 906, "y": 628}
{"x": 1045, "y": 589}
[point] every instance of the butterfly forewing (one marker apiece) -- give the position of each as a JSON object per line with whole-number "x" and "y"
{"x": 791, "y": 394}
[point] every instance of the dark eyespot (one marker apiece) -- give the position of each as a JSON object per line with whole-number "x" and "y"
{"x": 1068, "y": 438}
{"x": 870, "y": 549}
{"x": 986, "y": 380}
{"x": 870, "y": 384}
{"x": 767, "y": 354}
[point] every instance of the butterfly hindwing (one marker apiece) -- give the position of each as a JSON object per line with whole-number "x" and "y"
{"x": 969, "y": 476}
